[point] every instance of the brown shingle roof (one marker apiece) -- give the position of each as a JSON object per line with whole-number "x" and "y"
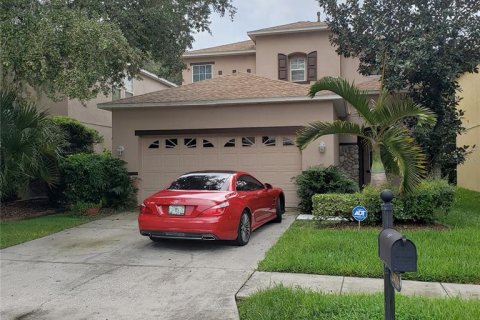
{"x": 235, "y": 88}
{"x": 229, "y": 87}
{"x": 246, "y": 45}
{"x": 373, "y": 84}
{"x": 292, "y": 26}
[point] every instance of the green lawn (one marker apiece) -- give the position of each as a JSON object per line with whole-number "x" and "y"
{"x": 450, "y": 255}
{"x": 291, "y": 304}
{"x": 19, "y": 231}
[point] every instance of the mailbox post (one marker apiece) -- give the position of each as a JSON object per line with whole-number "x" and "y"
{"x": 397, "y": 253}
{"x": 387, "y": 223}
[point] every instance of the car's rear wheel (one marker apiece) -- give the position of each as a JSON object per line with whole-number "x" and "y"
{"x": 244, "y": 230}
{"x": 279, "y": 211}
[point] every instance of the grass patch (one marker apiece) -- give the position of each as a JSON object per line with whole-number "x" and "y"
{"x": 19, "y": 231}
{"x": 290, "y": 304}
{"x": 449, "y": 255}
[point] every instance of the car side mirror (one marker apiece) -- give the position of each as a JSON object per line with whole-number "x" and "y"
{"x": 268, "y": 186}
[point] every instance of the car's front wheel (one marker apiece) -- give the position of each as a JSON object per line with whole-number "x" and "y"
{"x": 279, "y": 211}
{"x": 244, "y": 229}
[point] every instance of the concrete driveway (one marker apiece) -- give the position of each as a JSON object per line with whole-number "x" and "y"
{"x": 106, "y": 270}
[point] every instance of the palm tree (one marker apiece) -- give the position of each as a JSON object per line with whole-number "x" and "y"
{"x": 391, "y": 143}
{"x": 30, "y": 145}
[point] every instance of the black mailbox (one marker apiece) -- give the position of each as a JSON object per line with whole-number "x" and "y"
{"x": 397, "y": 252}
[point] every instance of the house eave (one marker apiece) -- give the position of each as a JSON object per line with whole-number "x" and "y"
{"x": 113, "y": 106}
{"x": 218, "y": 54}
{"x": 158, "y": 79}
{"x": 254, "y": 34}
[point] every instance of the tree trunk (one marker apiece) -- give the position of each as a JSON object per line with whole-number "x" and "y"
{"x": 379, "y": 178}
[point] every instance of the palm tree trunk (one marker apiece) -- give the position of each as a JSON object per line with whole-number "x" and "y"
{"x": 379, "y": 177}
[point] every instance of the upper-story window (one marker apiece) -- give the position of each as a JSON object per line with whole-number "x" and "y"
{"x": 201, "y": 72}
{"x": 128, "y": 87}
{"x": 297, "y": 69}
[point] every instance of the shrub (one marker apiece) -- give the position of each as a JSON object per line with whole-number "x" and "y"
{"x": 422, "y": 205}
{"x": 95, "y": 178}
{"x": 80, "y": 137}
{"x": 317, "y": 180}
{"x": 82, "y": 208}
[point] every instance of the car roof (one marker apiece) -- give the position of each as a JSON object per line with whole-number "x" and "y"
{"x": 217, "y": 171}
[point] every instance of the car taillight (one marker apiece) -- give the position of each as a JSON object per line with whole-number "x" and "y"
{"x": 145, "y": 210}
{"x": 216, "y": 210}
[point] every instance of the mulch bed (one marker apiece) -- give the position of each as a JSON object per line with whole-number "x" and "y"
{"x": 22, "y": 209}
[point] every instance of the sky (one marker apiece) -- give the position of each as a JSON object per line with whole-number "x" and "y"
{"x": 252, "y": 15}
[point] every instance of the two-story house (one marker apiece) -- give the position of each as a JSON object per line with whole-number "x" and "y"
{"x": 239, "y": 108}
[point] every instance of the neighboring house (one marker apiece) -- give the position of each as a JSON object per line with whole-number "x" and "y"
{"x": 239, "y": 108}
{"x": 98, "y": 119}
{"x": 468, "y": 174}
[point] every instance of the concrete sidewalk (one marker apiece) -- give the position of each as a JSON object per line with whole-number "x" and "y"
{"x": 344, "y": 285}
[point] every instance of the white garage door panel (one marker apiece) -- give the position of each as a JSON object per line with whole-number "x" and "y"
{"x": 165, "y": 158}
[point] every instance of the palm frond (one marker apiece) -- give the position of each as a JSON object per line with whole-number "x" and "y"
{"x": 357, "y": 98}
{"x": 317, "y": 129}
{"x": 401, "y": 108}
{"x": 408, "y": 156}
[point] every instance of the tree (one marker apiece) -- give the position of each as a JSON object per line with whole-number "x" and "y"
{"x": 30, "y": 145}
{"x": 392, "y": 146}
{"x": 421, "y": 46}
{"x": 79, "y": 48}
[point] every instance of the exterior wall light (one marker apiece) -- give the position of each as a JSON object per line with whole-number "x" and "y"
{"x": 120, "y": 150}
{"x": 322, "y": 147}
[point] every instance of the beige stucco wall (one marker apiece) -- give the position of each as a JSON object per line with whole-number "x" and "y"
{"x": 126, "y": 121}
{"x": 226, "y": 64}
{"x": 349, "y": 70}
{"x": 468, "y": 175}
{"x": 268, "y": 48}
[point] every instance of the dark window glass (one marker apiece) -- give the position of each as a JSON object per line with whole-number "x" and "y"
{"x": 248, "y": 183}
{"x": 171, "y": 143}
{"x": 230, "y": 143}
{"x": 202, "y": 181}
{"x": 268, "y": 141}
{"x": 190, "y": 142}
{"x": 207, "y": 144}
{"x": 288, "y": 141}
{"x": 248, "y": 141}
{"x": 154, "y": 145}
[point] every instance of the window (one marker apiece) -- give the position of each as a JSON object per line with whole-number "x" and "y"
{"x": 190, "y": 142}
{"x": 170, "y": 143}
{"x": 128, "y": 87}
{"x": 268, "y": 141}
{"x": 116, "y": 93}
{"x": 248, "y": 183}
{"x": 202, "y": 181}
{"x": 207, "y": 144}
{"x": 248, "y": 141}
{"x": 230, "y": 143}
{"x": 202, "y": 72}
{"x": 297, "y": 69}
{"x": 154, "y": 145}
{"x": 287, "y": 141}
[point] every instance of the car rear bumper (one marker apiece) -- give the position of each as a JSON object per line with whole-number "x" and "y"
{"x": 198, "y": 228}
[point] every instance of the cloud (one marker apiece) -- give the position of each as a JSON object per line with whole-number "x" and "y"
{"x": 253, "y": 15}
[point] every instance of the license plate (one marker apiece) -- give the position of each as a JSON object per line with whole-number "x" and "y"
{"x": 176, "y": 210}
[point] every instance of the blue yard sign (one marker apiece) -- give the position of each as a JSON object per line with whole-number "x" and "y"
{"x": 359, "y": 213}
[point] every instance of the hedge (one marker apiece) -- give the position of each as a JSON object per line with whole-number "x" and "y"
{"x": 322, "y": 180}
{"x": 97, "y": 179}
{"x": 431, "y": 197}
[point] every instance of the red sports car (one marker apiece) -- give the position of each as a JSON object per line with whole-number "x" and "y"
{"x": 211, "y": 205}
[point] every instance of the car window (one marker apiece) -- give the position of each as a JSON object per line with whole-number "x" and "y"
{"x": 248, "y": 183}
{"x": 202, "y": 181}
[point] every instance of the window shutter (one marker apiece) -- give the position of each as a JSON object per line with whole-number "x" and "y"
{"x": 312, "y": 66}
{"x": 282, "y": 67}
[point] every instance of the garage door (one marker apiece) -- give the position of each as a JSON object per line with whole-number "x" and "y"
{"x": 273, "y": 159}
